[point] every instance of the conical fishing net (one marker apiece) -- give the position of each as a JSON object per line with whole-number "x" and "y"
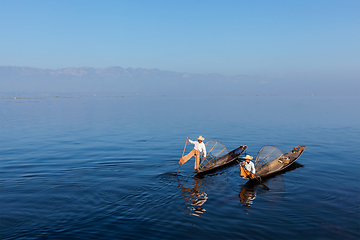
{"x": 214, "y": 150}
{"x": 268, "y": 160}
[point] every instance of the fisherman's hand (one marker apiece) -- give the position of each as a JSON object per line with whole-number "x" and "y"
{"x": 187, "y": 138}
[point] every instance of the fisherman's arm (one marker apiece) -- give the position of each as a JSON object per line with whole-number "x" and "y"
{"x": 253, "y": 168}
{"x": 204, "y": 151}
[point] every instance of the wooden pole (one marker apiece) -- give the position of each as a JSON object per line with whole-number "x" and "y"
{"x": 178, "y": 169}
{"x": 182, "y": 156}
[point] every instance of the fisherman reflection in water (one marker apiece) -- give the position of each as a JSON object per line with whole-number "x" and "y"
{"x": 195, "y": 197}
{"x": 247, "y": 169}
{"x": 247, "y": 195}
{"x": 198, "y": 149}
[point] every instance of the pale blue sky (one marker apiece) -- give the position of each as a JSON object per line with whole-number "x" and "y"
{"x": 276, "y": 39}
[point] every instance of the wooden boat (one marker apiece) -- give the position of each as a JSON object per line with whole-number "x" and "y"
{"x": 218, "y": 157}
{"x": 271, "y": 160}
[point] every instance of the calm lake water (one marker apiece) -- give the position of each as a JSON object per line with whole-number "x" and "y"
{"x": 104, "y": 167}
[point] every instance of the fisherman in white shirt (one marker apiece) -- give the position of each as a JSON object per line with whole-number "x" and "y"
{"x": 247, "y": 169}
{"x": 199, "y": 147}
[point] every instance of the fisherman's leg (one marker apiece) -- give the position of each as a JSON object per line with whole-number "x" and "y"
{"x": 185, "y": 158}
{"x": 245, "y": 173}
{"x": 242, "y": 172}
{"x": 197, "y": 159}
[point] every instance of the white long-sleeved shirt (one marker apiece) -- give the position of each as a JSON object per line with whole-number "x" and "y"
{"x": 250, "y": 166}
{"x": 199, "y": 146}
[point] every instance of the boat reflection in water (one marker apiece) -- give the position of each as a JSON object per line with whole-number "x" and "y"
{"x": 247, "y": 193}
{"x": 195, "y": 198}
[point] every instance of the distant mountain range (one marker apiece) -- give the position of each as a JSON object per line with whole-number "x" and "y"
{"x": 139, "y": 81}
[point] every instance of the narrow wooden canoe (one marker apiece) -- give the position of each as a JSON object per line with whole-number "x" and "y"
{"x": 207, "y": 166}
{"x": 270, "y": 160}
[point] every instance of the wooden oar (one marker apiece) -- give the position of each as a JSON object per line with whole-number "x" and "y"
{"x": 178, "y": 169}
{"x": 182, "y": 156}
{"x": 263, "y": 184}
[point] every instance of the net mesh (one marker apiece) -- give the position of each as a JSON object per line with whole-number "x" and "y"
{"x": 214, "y": 150}
{"x": 268, "y": 160}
